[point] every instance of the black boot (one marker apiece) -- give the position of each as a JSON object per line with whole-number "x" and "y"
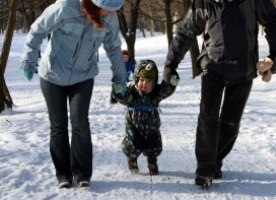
{"x": 218, "y": 174}
{"x": 152, "y": 165}
{"x": 132, "y": 165}
{"x": 204, "y": 182}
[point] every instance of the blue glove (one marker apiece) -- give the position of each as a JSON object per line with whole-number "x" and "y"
{"x": 28, "y": 74}
{"x": 120, "y": 88}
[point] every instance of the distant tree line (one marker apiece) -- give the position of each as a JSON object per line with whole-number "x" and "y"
{"x": 147, "y": 16}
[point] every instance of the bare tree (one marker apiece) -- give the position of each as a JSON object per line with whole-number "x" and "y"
{"x": 194, "y": 50}
{"x": 129, "y": 32}
{"x": 5, "y": 98}
{"x": 169, "y": 25}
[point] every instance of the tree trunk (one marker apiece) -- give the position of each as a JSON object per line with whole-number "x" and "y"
{"x": 130, "y": 34}
{"x": 150, "y": 24}
{"x": 5, "y": 98}
{"x": 169, "y": 27}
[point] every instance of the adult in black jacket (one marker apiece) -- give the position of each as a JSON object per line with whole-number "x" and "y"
{"x": 228, "y": 65}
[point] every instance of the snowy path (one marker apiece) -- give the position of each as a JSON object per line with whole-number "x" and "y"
{"x": 26, "y": 170}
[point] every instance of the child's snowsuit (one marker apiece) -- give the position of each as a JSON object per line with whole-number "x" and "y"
{"x": 142, "y": 121}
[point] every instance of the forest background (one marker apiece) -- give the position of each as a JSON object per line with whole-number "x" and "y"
{"x": 155, "y": 16}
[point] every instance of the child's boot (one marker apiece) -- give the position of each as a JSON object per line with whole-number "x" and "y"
{"x": 132, "y": 165}
{"x": 152, "y": 165}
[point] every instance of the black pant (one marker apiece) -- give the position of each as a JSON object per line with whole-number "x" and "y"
{"x": 75, "y": 159}
{"x": 221, "y": 109}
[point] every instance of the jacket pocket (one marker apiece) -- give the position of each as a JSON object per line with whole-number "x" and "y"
{"x": 202, "y": 62}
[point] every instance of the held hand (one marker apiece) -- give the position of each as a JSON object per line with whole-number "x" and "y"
{"x": 28, "y": 74}
{"x": 120, "y": 88}
{"x": 174, "y": 80}
{"x": 264, "y": 68}
{"x": 171, "y": 76}
{"x": 113, "y": 99}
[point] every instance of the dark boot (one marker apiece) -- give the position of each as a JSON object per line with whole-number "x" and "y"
{"x": 132, "y": 165}
{"x": 218, "y": 174}
{"x": 204, "y": 182}
{"x": 152, "y": 165}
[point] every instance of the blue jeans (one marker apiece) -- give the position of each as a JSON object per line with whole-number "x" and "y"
{"x": 73, "y": 160}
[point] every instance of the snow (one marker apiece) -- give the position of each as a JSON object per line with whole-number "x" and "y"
{"x": 27, "y": 172}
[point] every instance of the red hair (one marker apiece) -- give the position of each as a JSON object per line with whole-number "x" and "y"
{"x": 125, "y": 52}
{"x": 92, "y": 12}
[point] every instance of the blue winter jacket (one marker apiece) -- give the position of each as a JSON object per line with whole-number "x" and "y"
{"x": 70, "y": 56}
{"x": 130, "y": 66}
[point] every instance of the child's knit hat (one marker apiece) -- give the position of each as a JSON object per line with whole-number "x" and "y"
{"x": 146, "y": 69}
{"x": 111, "y": 5}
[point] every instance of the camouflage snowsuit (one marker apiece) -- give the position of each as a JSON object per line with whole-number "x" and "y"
{"x": 142, "y": 121}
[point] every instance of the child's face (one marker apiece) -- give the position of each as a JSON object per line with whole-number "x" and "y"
{"x": 145, "y": 85}
{"x": 125, "y": 58}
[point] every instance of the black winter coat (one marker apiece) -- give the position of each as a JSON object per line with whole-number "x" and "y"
{"x": 205, "y": 16}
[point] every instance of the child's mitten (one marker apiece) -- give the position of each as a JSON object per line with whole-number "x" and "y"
{"x": 171, "y": 76}
{"x": 120, "y": 88}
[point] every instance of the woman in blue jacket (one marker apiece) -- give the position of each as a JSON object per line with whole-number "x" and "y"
{"x": 67, "y": 70}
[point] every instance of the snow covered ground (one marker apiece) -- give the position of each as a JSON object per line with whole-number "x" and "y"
{"x": 27, "y": 172}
